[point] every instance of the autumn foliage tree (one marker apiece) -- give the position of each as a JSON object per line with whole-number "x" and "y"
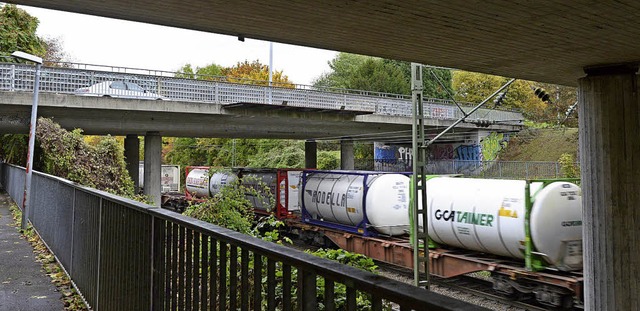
{"x": 474, "y": 87}
{"x": 255, "y": 73}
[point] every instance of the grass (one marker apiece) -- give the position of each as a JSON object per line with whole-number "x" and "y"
{"x": 541, "y": 145}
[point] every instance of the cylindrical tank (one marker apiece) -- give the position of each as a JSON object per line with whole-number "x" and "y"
{"x": 219, "y": 180}
{"x": 489, "y": 216}
{"x": 340, "y": 198}
{"x": 197, "y": 182}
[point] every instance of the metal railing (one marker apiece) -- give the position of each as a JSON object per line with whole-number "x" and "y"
{"x": 79, "y": 79}
{"x": 480, "y": 169}
{"x": 124, "y": 255}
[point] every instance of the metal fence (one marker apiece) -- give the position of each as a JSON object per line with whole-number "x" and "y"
{"x": 136, "y": 83}
{"x": 124, "y": 255}
{"x": 479, "y": 169}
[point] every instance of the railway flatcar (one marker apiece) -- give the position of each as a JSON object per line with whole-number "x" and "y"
{"x": 526, "y": 233}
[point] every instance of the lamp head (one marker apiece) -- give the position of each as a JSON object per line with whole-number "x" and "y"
{"x": 27, "y": 57}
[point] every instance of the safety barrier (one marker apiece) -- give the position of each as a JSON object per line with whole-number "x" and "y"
{"x": 470, "y": 168}
{"x": 174, "y": 86}
{"x": 124, "y": 255}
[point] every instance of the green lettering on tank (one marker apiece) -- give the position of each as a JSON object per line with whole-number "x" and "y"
{"x": 489, "y": 220}
{"x": 474, "y": 219}
{"x": 462, "y": 217}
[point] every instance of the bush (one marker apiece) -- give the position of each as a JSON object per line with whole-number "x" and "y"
{"x": 568, "y": 166}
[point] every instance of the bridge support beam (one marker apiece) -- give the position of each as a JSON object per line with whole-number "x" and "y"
{"x": 152, "y": 166}
{"x": 310, "y": 154}
{"x": 346, "y": 154}
{"x": 609, "y": 111}
{"x": 132, "y": 158}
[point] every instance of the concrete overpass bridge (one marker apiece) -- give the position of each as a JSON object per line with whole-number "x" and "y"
{"x": 215, "y": 108}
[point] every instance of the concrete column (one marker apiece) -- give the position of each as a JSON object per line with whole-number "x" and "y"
{"x": 346, "y": 154}
{"x": 132, "y": 158}
{"x": 310, "y": 154}
{"x": 152, "y": 166}
{"x": 609, "y": 114}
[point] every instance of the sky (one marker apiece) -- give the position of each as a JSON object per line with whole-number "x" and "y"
{"x": 105, "y": 41}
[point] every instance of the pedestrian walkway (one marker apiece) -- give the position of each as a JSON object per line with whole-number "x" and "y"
{"x": 23, "y": 283}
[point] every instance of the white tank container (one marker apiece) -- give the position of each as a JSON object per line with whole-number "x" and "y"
{"x": 339, "y": 198}
{"x": 290, "y": 191}
{"x": 219, "y": 180}
{"x": 488, "y": 216}
{"x": 169, "y": 178}
{"x": 197, "y": 182}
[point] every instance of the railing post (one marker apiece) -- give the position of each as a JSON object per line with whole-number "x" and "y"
{"x": 157, "y": 257}
{"x": 13, "y": 78}
{"x": 216, "y": 90}
{"x": 307, "y": 288}
{"x": 73, "y": 223}
{"x": 98, "y": 266}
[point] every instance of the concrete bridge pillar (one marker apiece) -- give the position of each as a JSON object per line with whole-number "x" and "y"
{"x": 346, "y": 154}
{"x": 132, "y": 157}
{"x": 152, "y": 166}
{"x": 609, "y": 112}
{"x": 310, "y": 154}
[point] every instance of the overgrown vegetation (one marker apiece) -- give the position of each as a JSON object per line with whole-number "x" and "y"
{"x": 232, "y": 209}
{"x": 65, "y": 154}
{"x": 568, "y": 166}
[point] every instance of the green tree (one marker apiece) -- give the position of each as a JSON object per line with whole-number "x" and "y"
{"x": 374, "y": 74}
{"x": 212, "y": 72}
{"x": 18, "y": 32}
{"x": 13, "y": 148}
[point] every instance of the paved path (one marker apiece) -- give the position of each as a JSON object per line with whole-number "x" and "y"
{"x": 23, "y": 283}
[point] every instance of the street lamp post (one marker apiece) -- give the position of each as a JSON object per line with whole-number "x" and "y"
{"x": 32, "y": 132}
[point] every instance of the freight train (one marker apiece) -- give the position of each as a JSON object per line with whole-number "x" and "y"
{"x": 474, "y": 224}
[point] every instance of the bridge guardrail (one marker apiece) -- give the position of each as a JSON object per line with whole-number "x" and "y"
{"x": 18, "y": 77}
{"x": 121, "y": 254}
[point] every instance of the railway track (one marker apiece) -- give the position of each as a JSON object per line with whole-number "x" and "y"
{"x": 478, "y": 287}
{"x": 464, "y": 284}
